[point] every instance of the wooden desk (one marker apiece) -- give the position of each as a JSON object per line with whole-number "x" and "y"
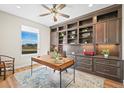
{"x": 61, "y": 66}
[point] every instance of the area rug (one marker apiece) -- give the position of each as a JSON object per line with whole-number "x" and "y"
{"x": 43, "y": 77}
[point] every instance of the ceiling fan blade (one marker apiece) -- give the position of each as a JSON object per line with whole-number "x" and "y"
{"x": 54, "y": 5}
{"x": 45, "y": 14}
{"x": 55, "y": 19}
{"x": 46, "y": 7}
{"x": 60, "y": 6}
{"x": 64, "y": 15}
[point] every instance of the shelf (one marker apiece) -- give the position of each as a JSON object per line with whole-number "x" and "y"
{"x": 74, "y": 28}
{"x": 85, "y": 37}
{"x": 62, "y": 31}
{"x": 107, "y": 16}
{"x": 72, "y": 34}
{"x": 60, "y": 39}
{"x": 87, "y": 25}
{"x": 54, "y": 29}
{"x": 86, "y": 40}
{"x": 71, "y": 25}
{"x": 61, "y": 36}
{"x": 81, "y": 32}
{"x": 85, "y": 22}
{"x": 72, "y": 43}
{"x": 61, "y": 28}
{"x": 72, "y": 38}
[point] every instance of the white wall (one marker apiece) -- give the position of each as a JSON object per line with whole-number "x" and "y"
{"x": 123, "y": 38}
{"x": 123, "y": 32}
{"x": 10, "y": 38}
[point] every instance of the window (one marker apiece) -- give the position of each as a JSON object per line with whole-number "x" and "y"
{"x": 29, "y": 37}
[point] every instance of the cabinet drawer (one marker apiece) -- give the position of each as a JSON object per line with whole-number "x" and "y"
{"x": 84, "y": 60}
{"x": 108, "y": 62}
{"x": 84, "y": 66}
{"x": 107, "y": 70}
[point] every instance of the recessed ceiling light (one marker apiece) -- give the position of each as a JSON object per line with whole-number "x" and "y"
{"x": 18, "y": 6}
{"x": 90, "y": 5}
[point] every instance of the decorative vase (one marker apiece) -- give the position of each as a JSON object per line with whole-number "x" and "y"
{"x": 106, "y": 55}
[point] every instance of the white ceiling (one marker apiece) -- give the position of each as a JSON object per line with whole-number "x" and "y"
{"x": 32, "y": 11}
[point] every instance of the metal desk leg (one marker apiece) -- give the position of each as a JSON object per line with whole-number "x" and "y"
{"x": 74, "y": 74}
{"x": 60, "y": 79}
{"x": 31, "y": 67}
{"x": 75, "y": 59}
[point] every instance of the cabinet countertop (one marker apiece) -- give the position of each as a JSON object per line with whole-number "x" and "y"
{"x": 98, "y": 56}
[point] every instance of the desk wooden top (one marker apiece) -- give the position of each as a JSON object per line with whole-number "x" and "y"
{"x": 50, "y": 62}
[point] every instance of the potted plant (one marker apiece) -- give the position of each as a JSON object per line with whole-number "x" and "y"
{"x": 62, "y": 34}
{"x": 56, "y": 55}
{"x": 105, "y": 52}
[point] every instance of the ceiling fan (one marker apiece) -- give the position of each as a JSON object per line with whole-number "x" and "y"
{"x": 55, "y": 11}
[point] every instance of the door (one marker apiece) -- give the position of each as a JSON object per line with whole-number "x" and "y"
{"x": 100, "y": 32}
{"x": 113, "y": 31}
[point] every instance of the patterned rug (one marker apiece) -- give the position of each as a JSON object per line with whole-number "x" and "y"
{"x": 46, "y": 78}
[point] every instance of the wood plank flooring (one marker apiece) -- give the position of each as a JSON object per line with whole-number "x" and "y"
{"x": 11, "y": 82}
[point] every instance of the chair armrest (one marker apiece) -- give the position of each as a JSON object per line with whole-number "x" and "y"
{"x": 7, "y": 56}
{"x": 11, "y": 59}
{"x": 2, "y": 62}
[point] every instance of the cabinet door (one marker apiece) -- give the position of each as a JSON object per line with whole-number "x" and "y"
{"x": 54, "y": 38}
{"x": 113, "y": 31}
{"x": 100, "y": 32}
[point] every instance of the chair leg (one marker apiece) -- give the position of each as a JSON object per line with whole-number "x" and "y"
{"x": 54, "y": 70}
{"x": 0, "y": 71}
{"x": 4, "y": 73}
{"x": 13, "y": 70}
{"x": 13, "y": 67}
{"x": 66, "y": 70}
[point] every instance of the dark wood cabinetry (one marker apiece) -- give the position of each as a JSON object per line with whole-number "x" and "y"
{"x": 100, "y": 32}
{"x": 94, "y": 32}
{"x": 113, "y": 31}
{"x": 108, "y": 62}
{"x": 107, "y": 71}
{"x": 84, "y": 63}
{"x": 101, "y": 26}
{"x": 108, "y": 68}
{"x": 107, "y": 32}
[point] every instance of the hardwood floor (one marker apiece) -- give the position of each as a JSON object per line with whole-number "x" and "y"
{"x": 11, "y": 82}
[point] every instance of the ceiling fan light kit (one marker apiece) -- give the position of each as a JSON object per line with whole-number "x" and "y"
{"x": 55, "y": 11}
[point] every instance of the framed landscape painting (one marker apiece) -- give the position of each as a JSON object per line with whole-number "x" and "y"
{"x": 29, "y": 42}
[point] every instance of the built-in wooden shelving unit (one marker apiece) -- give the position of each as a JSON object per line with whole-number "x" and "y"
{"x": 94, "y": 32}
{"x": 96, "y": 28}
{"x": 72, "y": 36}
